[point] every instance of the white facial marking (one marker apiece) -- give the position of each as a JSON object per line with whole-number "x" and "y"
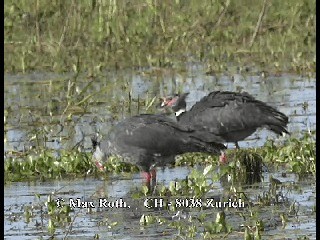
{"x": 178, "y": 113}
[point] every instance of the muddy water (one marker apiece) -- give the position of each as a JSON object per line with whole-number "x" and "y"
{"x": 34, "y": 105}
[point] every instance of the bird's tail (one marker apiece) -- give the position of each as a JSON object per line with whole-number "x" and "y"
{"x": 276, "y": 121}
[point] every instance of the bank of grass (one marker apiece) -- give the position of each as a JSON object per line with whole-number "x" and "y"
{"x": 94, "y": 34}
{"x": 297, "y": 155}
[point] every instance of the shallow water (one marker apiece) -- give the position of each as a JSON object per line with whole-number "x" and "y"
{"x": 88, "y": 223}
{"x": 34, "y": 103}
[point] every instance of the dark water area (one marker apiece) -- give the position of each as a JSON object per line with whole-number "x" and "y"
{"x": 36, "y": 104}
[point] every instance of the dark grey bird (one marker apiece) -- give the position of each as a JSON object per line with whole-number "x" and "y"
{"x": 153, "y": 140}
{"x": 229, "y": 115}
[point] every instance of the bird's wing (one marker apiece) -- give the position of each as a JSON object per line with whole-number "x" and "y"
{"x": 225, "y": 112}
{"x": 156, "y": 135}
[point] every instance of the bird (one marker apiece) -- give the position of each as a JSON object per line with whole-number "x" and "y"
{"x": 232, "y": 116}
{"x": 150, "y": 140}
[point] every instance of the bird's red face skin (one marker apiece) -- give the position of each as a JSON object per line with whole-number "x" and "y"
{"x": 99, "y": 165}
{"x": 169, "y": 101}
{"x": 223, "y": 159}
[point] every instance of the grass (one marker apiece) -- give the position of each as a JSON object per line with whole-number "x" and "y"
{"x": 60, "y": 35}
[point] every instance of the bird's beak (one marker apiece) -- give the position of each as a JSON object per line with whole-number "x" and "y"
{"x": 169, "y": 101}
{"x": 163, "y": 101}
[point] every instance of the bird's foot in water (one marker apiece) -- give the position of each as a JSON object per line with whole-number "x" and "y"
{"x": 150, "y": 179}
{"x": 149, "y": 176}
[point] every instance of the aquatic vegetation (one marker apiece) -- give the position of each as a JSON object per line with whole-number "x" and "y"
{"x": 45, "y": 165}
{"x": 196, "y": 191}
{"x": 298, "y": 154}
{"x": 245, "y": 165}
{"x": 193, "y": 211}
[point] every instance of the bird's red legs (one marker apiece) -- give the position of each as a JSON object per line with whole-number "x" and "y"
{"x": 150, "y": 176}
{"x": 146, "y": 176}
{"x": 153, "y": 174}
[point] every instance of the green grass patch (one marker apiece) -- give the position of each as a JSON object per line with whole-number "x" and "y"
{"x": 298, "y": 155}
{"x": 63, "y": 35}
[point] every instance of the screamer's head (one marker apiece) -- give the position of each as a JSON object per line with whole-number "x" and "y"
{"x": 177, "y": 103}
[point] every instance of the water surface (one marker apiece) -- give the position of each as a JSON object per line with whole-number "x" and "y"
{"x": 36, "y": 104}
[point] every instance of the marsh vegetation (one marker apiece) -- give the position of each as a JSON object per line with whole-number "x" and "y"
{"x": 74, "y": 68}
{"x": 225, "y": 35}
